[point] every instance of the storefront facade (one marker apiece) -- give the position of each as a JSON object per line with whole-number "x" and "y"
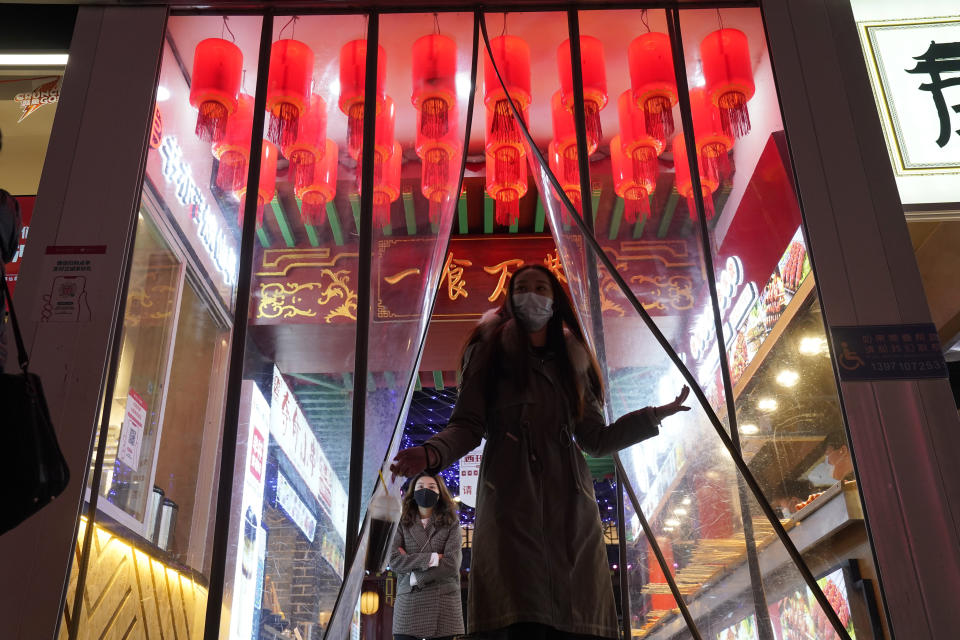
{"x": 229, "y": 369}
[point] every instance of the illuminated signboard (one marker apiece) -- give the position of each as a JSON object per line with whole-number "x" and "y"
{"x": 210, "y": 229}
{"x": 293, "y": 434}
{"x": 298, "y": 511}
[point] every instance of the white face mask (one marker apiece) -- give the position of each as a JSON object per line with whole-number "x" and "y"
{"x": 533, "y": 310}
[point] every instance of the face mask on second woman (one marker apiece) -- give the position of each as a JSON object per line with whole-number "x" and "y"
{"x": 533, "y": 310}
{"x": 425, "y": 498}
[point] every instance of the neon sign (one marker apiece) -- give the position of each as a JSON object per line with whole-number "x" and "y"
{"x": 210, "y": 229}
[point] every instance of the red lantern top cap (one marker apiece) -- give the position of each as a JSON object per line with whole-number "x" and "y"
{"x": 725, "y": 55}
{"x": 353, "y": 57}
{"x": 593, "y": 67}
{"x": 651, "y": 68}
{"x": 217, "y": 73}
{"x": 434, "y": 69}
{"x": 512, "y": 56}
{"x": 291, "y": 74}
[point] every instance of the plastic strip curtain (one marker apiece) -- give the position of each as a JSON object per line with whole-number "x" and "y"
{"x": 575, "y": 263}
{"x": 342, "y": 616}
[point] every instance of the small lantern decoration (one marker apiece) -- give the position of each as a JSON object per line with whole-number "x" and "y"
{"x": 684, "y": 184}
{"x": 369, "y": 602}
{"x": 440, "y": 158}
{"x": 653, "y": 82}
{"x": 634, "y": 189}
{"x": 594, "y": 83}
{"x": 387, "y": 190}
{"x": 434, "y": 83}
{"x": 308, "y": 150}
{"x": 233, "y": 151}
{"x": 288, "y": 89}
{"x": 322, "y": 187}
{"x": 353, "y": 59}
{"x": 565, "y": 137}
{"x": 640, "y": 146}
{"x": 571, "y": 185}
{"x": 713, "y": 143}
{"x": 267, "y": 187}
{"x": 512, "y": 57}
{"x": 383, "y": 141}
{"x": 507, "y": 191}
{"x": 728, "y": 74}
{"x": 215, "y": 86}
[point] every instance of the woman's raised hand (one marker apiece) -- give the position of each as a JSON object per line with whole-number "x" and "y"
{"x": 676, "y": 406}
{"x": 409, "y": 462}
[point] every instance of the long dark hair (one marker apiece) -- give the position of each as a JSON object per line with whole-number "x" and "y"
{"x": 496, "y": 363}
{"x": 444, "y": 512}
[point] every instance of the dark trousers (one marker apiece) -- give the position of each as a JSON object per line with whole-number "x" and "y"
{"x": 532, "y": 631}
{"x": 400, "y": 636}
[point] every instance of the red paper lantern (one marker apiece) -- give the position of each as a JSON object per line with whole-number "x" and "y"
{"x": 508, "y": 157}
{"x": 267, "y": 187}
{"x": 233, "y": 151}
{"x": 321, "y": 190}
{"x": 512, "y": 57}
{"x": 728, "y": 74}
{"x": 594, "y": 83}
{"x": 440, "y": 163}
{"x": 565, "y": 137}
{"x": 387, "y": 190}
{"x": 637, "y": 143}
{"x": 353, "y": 60}
{"x": 713, "y": 143}
{"x": 635, "y": 190}
{"x": 653, "y": 82}
{"x": 570, "y": 184}
{"x": 507, "y": 192}
{"x": 383, "y": 141}
{"x": 215, "y": 86}
{"x": 308, "y": 150}
{"x": 684, "y": 183}
{"x": 288, "y": 88}
{"x": 434, "y": 83}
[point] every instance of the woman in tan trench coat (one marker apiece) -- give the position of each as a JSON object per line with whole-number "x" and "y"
{"x": 532, "y": 388}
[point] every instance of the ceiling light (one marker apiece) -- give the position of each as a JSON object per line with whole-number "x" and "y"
{"x": 812, "y": 345}
{"x": 463, "y": 83}
{"x": 787, "y": 378}
{"x": 749, "y": 429}
{"x": 767, "y": 404}
{"x": 33, "y": 59}
{"x": 668, "y": 528}
{"x": 686, "y": 500}
{"x": 163, "y": 93}
{"x": 679, "y": 511}
{"x": 671, "y": 522}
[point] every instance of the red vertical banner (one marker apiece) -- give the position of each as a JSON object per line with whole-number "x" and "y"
{"x": 26, "y": 213}
{"x": 660, "y": 601}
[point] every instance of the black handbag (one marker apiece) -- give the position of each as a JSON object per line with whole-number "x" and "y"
{"x": 34, "y": 471}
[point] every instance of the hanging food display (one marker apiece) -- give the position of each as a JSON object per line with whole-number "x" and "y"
{"x": 638, "y": 144}
{"x": 594, "y": 83}
{"x": 267, "y": 187}
{"x": 307, "y": 151}
{"x": 233, "y": 151}
{"x": 288, "y": 89}
{"x": 635, "y": 189}
{"x": 684, "y": 183}
{"x": 728, "y": 73}
{"x": 215, "y": 86}
{"x": 322, "y": 187}
{"x": 434, "y": 83}
{"x": 353, "y": 57}
{"x": 653, "y": 82}
{"x": 713, "y": 143}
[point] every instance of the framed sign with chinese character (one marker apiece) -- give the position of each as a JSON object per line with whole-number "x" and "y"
{"x": 914, "y": 67}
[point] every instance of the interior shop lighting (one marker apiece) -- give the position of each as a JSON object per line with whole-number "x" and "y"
{"x": 33, "y": 59}
{"x": 812, "y": 345}
{"x": 671, "y": 522}
{"x": 767, "y": 404}
{"x": 163, "y": 94}
{"x": 787, "y": 378}
{"x": 749, "y": 429}
{"x": 679, "y": 511}
{"x": 686, "y": 501}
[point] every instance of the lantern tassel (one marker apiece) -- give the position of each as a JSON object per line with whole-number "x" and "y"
{"x": 714, "y": 160}
{"x": 658, "y": 117}
{"x": 231, "y": 171}
{"x": 506, "y": 165}
{"x": 303, "y": 164}
{"x": 591, "y": 112}
{"x": 437, "y": 172}
{"x": 434, "y": 118}
{"x": 507, "y": 207}
{"x": 504, "y": 128}
{"x": 577, "y": 202}
{"x": 381, "y": 208}
{"x": 285, "y": 125}
{"x": 645, "y": 164}
{"x": 355, "y": 128}
{"x": 211, "y": 121}
{"x": 571, "y": 166}
{"x": 314, "y": 209}
{"x": 435, "y": 210}
{"x": 734, "y": 115}
{"x": 636, "y": 205}
{"x": 707, "y": 206}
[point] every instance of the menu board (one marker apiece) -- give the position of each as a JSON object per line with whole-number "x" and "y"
{"x": 799, "y": 617}
{"x": 746, "y": 629}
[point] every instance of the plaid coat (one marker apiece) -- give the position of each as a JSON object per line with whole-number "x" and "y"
{"x": 432, "y": 608}
{"x": 538, "y": 553}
